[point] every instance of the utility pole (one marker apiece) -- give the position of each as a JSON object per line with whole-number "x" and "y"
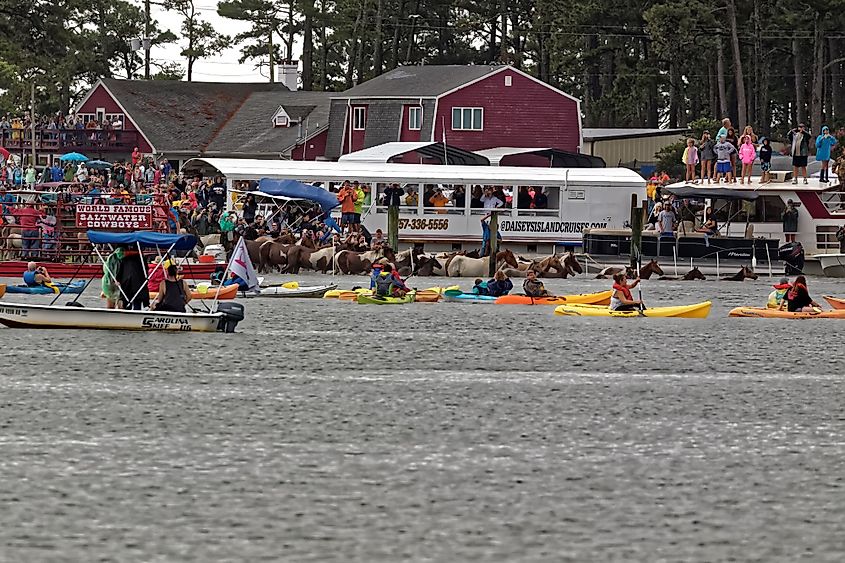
{"x": 272, "y": 70}
{"x": 146, "y": 39}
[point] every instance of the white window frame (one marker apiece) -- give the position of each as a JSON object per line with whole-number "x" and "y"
{"x": 359, "y": 118}
{"x": 418, "y": 110}
{"x": 473, "y": 126}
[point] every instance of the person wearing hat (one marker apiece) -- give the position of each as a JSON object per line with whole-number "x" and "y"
{"x": 777, "y": 296}
{"x": 173, "y": 293}
{"x": 799, "y": 140}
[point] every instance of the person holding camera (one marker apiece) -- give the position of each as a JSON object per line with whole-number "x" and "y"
{"x": 799, "y": 140}
{"x": 36, "y": 275}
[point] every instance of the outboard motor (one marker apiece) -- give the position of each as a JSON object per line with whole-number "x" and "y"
{"x": 792, "y": 255}
{"x": 233, "y": 313}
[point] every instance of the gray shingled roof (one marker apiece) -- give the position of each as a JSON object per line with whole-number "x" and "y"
{"x": 250, "y": 131}
{"x": 419, "y": 81}
{"x": 181, "y": 116}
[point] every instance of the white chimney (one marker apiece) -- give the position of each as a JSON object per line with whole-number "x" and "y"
{"x": 288, "y": 75}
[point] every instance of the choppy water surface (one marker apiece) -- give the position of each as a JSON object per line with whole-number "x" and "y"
{"x": 329, "y": 431}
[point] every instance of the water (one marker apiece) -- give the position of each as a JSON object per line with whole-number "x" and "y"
{"x": 329, "y": 431}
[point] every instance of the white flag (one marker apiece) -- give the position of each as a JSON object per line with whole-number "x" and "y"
{"x": 241, "y": 265}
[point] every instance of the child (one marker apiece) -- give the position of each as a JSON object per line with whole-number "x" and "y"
{"x": 690, "y": 159}
{"x": 824, "y": 143}
{"x": 707, "y": 156}
{"x": 747, "y": 154}
{"x": 723, "y": 151}
{"x": 765, "y": 160}
{"x": 480, "y": 287}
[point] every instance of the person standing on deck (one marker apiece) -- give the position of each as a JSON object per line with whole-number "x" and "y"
{"x": 707, "y": 156}
{"x": 723, "y": 151}
{"x": 790, "y": 221}
{"x": 360, "y": 196}
{"x": 799, "y": 140}
{"x": 346, "y": 197}
{"x": 723, "y": 131}
{"x": 690, "y": 159}
{"x": 765, "y": 160}
{"x": 824, "y": 144}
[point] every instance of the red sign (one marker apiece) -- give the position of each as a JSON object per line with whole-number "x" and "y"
{"x": 133, "y": 217}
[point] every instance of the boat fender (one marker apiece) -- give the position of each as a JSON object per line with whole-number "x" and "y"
{"x": 233, "y": 313}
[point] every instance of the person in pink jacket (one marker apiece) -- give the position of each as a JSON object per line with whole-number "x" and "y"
{"x": 747, "y": 154}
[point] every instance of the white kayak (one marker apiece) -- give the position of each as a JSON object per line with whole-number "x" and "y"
{"x": 20, "y": 315}
{"x": 316, "y": 291}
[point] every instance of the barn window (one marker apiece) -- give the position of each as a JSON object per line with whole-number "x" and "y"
{"x": 471, "y": 119}
{"x": 359, "y": 118}
{"x": 508, "y": 80}
{"x": 415, "y": 118}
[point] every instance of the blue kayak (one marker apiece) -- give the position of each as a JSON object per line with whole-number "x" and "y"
{"x": 74, "y": 287}
{"x": 461, "y": 297}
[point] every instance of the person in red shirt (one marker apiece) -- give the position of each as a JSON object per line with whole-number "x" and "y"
{"x": 27, "y": 217}
{"x": 346, "y": 197}
{"x": 136, "y": 156}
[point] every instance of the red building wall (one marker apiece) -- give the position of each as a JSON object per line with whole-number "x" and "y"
{"x": 315, "y": 147}
{"x": 353, "y": 136}
{"x": 406, "y": 134}
{"x": 525, "y": 114}
{"x": 100, "y": 98}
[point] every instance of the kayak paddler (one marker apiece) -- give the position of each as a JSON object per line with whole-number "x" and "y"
{"x": 35, "y": 276}
{"x": 499, "y": 285}
{"x": 387, "y": 285}
{"x": 532, "y": 286}
{"x": 622, "y": 299}
{"x": 777, "y": 296}
{"x": 798, "y": 298}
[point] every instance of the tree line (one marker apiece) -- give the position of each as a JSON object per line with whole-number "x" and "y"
{"x": 633, "y": 63}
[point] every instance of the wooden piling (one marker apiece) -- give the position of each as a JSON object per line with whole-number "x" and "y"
{"x": 393, "y": 227}
{"x": 636, "y": 230}
{"x": 494, "y": 242}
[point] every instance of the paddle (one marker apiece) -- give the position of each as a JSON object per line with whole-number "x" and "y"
{"x": 640, "y": 286}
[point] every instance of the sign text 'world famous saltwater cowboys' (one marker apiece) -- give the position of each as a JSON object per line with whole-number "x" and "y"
{"x": 135, "y": 217}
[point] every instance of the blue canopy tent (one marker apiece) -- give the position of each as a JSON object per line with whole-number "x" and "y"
{"x": 146, "y": 239}
{"x": 297, "y": 190}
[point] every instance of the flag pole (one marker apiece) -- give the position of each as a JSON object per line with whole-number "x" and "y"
{"x": 226, "y": 272}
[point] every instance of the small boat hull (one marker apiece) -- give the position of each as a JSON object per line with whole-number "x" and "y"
{"x": 316, "y": 291}
{"x": 65, "y": 289}
{"x": 461, "y": 297}
{"x": 17, "y": 315}
{"x": 219, "y": 293}
{"x": 694, "y": 311}
{"x": 833, "y": 265}
{"x": 600, "y": 298}
{"x": 765, "y": 313}
{"x": 375, "y": 300}
{"x": 2, "y": 289}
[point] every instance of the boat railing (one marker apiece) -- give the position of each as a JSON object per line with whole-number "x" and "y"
{"x": 834, "y": 202}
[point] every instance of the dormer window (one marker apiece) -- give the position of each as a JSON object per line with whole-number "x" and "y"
{"x": 282, "y": 119}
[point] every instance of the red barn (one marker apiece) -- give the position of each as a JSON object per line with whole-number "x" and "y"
{"x": 476, "y": 106}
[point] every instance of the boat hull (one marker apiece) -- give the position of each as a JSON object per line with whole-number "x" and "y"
{"x": 16, "y": 268}
{"x": 300, "y": 292}
{"x": 694, "y": 311}
{"x": 835, "y": 302}
{"x": 374, "y": 300}
{"x": 764, "y": 313}
{"x": 833, "y": 265}
{"x": 17, "y": 315}
{"x": 65, "y": 289}
{"x": 600, "y": 298}
{"x": 219, "y": 293}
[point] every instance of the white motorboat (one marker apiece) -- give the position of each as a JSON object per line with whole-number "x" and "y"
{"x": 315, "y": 291}
{"x": 20, "y": 315}
{"x": 833, "y": 265}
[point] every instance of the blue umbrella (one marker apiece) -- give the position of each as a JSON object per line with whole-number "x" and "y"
{"x": 74, "y": 157}
{"x": 99, "y": 164}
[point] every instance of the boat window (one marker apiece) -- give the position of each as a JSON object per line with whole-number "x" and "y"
{"x": 769, "y": 209}
{"x": 765, "y": 209}
{"x": 826, "y": 237}
{"x": 537, "y": 200}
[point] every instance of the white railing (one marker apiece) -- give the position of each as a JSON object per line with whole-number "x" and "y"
{"x": 834, "y": 202}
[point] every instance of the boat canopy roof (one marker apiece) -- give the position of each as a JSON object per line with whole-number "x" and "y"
{"x": 711, "y": 193}
{"x": 236, "y": 169}
{"x": 148, "y": 239}
{"x": 297, "y": 190}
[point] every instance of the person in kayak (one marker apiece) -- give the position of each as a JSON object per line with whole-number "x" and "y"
{"x": 622, "y": 299}
{"x": 235, "y": 279}
{"x": 798, "y": 298}
{"x": 173, "y": 293}
{"x": 35, "y": 276}
{"x": 499, "y": 285}
{"x": 532, "y": 286}
{"x": 377, "y": 269}
{"x": 480, "y": 287}
{"x": 388, "y": 285}
{"x": 777, "y": 296}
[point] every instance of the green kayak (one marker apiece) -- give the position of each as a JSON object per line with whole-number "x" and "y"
{"x": 376, "y": 300}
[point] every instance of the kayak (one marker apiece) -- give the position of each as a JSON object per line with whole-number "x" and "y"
{"x": 376, "y": 300}
{"x": 458, "y": 296}
{"x": 766, "y": 313}
{"x": 835, "y": 302}
{"x": 695, "y": 311}
{"x": 71, "y": 288}
{"x": 429, "y": 295}
{"x": 600, "y": 298}
{"x": 282, "y": 291}
{"x": 2, "y": 289}
{"x": 205, "y": 292}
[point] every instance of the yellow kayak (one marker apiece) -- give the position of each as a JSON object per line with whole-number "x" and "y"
{"x": 766, "y": 313}
{"x": 430, "y": 294}
{"x": 695, "y": 311}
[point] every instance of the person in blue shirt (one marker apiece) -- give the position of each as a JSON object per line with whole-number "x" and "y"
{"x": 5, "y": 198}
{"x": 824, "y": 143}
{"x": 56, "y": 173}
{"x": 237, "y": 280}
{"x": 485, "y": 236}
{"x": 34, "y": 276}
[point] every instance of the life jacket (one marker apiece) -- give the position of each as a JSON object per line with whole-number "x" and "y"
{"x": 29, "y": 278}
{"x": 384, "y": 282}
{"x": 776, "y": 298}
{"x": 793, "y": 291}
{"x": 625, "y": 291}
{"x": 481, "y": 288}
{"x": 377, "y": 268}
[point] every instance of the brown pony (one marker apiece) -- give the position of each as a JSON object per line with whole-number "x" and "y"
{"x": 745, "y": 273}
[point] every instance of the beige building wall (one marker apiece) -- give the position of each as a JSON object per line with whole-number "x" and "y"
{"x": 625, "y": 151}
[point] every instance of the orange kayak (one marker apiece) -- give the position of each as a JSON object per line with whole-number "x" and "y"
{"x": 600, "y": 298}
{"x": 228, "y": 292}
{"x": 835, "y": 302}
{"x": 2, "y": 289}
